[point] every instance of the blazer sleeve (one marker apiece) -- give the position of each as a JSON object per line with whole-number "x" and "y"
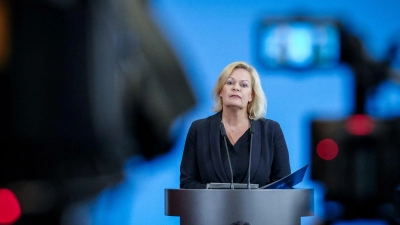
{"x": 280, "y": 164}
{"x": 190, "y": 174}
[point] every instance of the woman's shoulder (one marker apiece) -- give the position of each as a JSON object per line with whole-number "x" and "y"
{"x": 270, "y": 126}
{"x": 267, "y": 122}
{"x": 205, "y": 120}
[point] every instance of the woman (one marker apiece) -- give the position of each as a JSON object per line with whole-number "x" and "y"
{"x": 239, "y": 103}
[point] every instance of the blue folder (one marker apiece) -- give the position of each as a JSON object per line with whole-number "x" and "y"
{"x": 289, "y": 181}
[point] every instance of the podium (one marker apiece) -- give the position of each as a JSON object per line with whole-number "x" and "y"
{"x": 239, "y": 206}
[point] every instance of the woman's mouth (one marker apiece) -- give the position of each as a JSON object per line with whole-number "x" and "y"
{"x": 235, "y": 96}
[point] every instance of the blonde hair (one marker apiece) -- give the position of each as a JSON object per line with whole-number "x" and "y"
{"x": 257, "y": 108}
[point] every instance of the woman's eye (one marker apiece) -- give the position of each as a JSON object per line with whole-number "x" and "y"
{"x": 244, "y": 85}
{"x": 229, "y": 82}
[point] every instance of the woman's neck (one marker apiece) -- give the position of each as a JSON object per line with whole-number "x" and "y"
{"x": 234, "y": 118}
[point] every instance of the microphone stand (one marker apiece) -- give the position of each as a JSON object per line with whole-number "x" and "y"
{"x": 251, "y": 149}
{"x": 223, "y": 132}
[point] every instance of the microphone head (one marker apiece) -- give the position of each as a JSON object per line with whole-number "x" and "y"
{"x": 251, "y": 127}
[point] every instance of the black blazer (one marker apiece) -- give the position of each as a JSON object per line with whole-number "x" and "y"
{"x": 201, "y": 160}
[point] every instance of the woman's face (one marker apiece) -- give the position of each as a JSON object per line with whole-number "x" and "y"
{"x": 237, "y": 90}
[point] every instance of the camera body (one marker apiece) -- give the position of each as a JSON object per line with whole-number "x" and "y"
{"x": 356, "y": 159}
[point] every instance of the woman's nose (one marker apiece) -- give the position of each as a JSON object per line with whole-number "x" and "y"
{"x": 236, "y": 87}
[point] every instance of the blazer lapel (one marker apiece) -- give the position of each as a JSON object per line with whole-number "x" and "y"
{"x": 214, "y": 137}
{"x": 256, "y": 151}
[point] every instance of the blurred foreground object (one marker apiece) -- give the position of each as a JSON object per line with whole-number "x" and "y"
{"x": 85, "y": 87}
{"x": 357, "y": 161}
{"x": 357, "y": 158}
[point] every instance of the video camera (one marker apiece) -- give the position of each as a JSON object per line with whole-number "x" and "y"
{"x": 356, "y": 158}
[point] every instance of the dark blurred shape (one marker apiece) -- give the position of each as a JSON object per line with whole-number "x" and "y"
{"x": 153, "y": 89}
{"x": 86, "y": 84}
{"x": 365, "y": 171}
{"x": 5, "y": 38}
{"x": 363, "y": 176}
{"x": 397, "y": 204}
{"x": 368, "y": 73}
{"x": 393, "y": 56}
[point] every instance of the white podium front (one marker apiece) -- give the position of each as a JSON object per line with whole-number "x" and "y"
{"x": 239, "y": 206}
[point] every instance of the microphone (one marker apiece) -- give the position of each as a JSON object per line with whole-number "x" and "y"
{"x": 234, "y": 185}
{"x": 223, "y": 133}
{"x": 251, "y": 149}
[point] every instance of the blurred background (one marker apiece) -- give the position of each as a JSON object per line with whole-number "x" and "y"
{"x": 98, "y": 96}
